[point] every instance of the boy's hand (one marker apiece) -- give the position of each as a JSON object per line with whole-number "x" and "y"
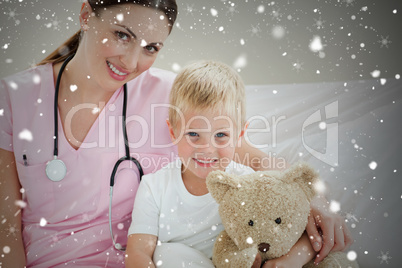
{"x": 335, "y": 234}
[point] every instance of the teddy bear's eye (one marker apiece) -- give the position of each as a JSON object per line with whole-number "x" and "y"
{"x": 278, "y": 220}
{"x": 251, "y": 223}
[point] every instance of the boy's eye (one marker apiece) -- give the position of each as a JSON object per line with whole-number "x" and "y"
{"x": 220, "y": 135}
{"x": 192, "y": 134}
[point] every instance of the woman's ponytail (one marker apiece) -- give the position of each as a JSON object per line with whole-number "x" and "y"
{"x": 64, "y": 51}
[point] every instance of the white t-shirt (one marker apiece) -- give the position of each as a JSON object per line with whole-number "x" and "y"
{"x": 163, "y": 207}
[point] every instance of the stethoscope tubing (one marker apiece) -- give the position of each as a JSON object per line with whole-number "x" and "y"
{"x": 117, "y": 164}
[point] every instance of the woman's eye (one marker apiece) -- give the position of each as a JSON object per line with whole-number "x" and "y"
{"x": 122, "y": 36}
{"x": 151, "y": 49}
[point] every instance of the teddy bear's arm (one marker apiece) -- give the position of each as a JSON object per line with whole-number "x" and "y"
{"x": 227, "y": 254}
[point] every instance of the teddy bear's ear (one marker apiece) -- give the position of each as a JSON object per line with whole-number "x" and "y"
{"x": 305, "y": 176}
{"x": 219, "y": 182}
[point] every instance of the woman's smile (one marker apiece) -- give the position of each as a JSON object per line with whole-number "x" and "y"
{"x": 116, "y": 73}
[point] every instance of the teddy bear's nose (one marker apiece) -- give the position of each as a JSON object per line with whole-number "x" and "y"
{"x": 263, "y": 247}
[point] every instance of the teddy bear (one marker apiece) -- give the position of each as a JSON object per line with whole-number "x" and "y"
{"x": 264, "y": 213}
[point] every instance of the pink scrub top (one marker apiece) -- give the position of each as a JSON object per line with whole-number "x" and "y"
{"x": 66, "y": 222}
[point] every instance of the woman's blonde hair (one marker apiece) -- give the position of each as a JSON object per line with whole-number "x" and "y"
{"x": 208, "y": 85}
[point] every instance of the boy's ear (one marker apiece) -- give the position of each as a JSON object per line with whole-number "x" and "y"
{"x": 244, "y": 129}
{"x": 171, "y": 132}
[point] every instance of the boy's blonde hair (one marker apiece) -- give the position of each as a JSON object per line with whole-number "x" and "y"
{"x": 208, "y": 85}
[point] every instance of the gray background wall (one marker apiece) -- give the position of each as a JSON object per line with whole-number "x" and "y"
{"x": 268, "y": 41}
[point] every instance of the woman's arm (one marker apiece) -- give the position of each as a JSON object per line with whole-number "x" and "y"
{"x": 140, "y": 250}
{"x": 11, "y": 242}
{"x": 301, "y": 253}
{"x": 327, "y": 230}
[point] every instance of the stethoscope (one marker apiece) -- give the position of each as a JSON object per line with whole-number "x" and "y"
{"x": 56, "y": 170}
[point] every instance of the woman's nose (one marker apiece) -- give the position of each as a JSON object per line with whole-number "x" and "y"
{"x": 131, "y": 57}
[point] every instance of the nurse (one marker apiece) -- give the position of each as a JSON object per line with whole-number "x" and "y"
{"x": 47, "y": 223}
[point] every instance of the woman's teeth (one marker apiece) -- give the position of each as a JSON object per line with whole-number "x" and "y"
{"x": 114, "y": 69}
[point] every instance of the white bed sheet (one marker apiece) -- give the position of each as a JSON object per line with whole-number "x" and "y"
{"x": 361, "y": 162}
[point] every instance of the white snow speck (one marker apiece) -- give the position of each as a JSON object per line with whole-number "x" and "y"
{"x": 213, "y": 227}
{"x": 395, "y": 11}
{"x": 214, "y": 12}
{"x": 249, "y": 240}
{"x": 221, "y": 28}
{"x": 120, "y": 226}
{"x": 159, "y": 263}
{"x": 25, "y": 135}
{"x": 1, "y": 112}
{"x": 143, "y": 43}
{"x": 278, "y": 32}
{"x": 120, "y": 17}
{"x": 6, "y": 249}
{"x": 334, "y": 206}
{"x": 373, "y": 165}
{"x": 36, "y": 79}
{"x": 20, "y": 203}
{"x": 9, "y": 60}
{"x": 316, "y": 44}
{"x": 397, "y": 76}
{"x": 176, "y": 67}
{"x": 383, "y": 81}
{"x": 322, "y": 125}
{"x": 240, "y": 62}
{"x": 242, "y": 42}
{"x": 161, "y": 17}
{"x": 260, "y": 9}
{"x": 351, "y": 255}
{"x": 319, "y": 186}
{"x": 13, "y": 85}
{"x": 42, "y": 222}
{"x": 73, "y": 88}
{"x": 104, "y": 41}
{"x": 375, "y": 73}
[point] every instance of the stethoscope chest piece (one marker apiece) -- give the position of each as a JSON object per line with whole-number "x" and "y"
{"x": 56, "y": 170}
